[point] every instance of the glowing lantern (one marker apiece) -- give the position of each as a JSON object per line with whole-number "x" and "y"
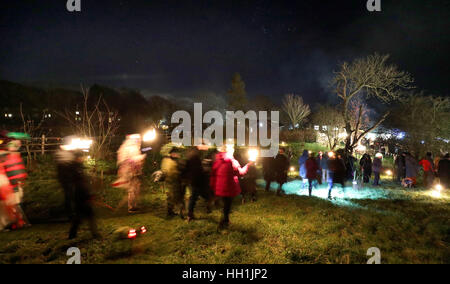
{"x": 150, "y": 135}
{"x": 437, "y": 191}
{"x": 253, "y": 154}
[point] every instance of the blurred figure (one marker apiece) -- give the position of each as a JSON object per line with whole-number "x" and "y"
{"x": 444, "y": 171}
{"x": 427, "y": 164}
{"x": 198, "y": 181}
{"x": 302, "y": 168}
{"x": 400, "y": 168}
{"x": 366, "y": 167}
{"x": 281, "y": 168}
{"x": 269, "y": 171}
{"x": 76, "y": 188}
{"x": 349, "y": 162}
{"x": 7, "y": 202}
{"x": 16, "y": 173}
{"x": 336, "y": 172}
{"x": 130, "y": 161}
{"x": 376, "y": 167}
{"x": 411, "y": 167}
{"x": 311, "y": 171}
{"x": 322, "y": 162}
{"x": 175, "y": 191}
{"x": 248, "y": 184}
{"x": 225, "y": 180}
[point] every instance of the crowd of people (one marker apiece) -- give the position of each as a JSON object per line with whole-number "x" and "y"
{"x": 215, "y": 175}
{"x": 407, "y": 169}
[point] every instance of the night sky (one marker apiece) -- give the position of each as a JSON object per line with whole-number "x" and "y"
{"x": 183, "y": 48}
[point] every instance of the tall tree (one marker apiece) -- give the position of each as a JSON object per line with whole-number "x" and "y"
{"x": 296, "y": 109}
{"x": 237, "y": 96}
{"x": 331, "y": 123}
{"x": 425, "y": 121}
{"x": 373, "y": 77}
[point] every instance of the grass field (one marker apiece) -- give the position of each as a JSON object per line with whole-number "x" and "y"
{"x": 407, "y": 227}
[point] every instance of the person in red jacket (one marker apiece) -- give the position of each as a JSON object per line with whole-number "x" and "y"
{"x": 311, "y": 171}
{"x": 428, "y": 170}
{"x": 225, "y": 180}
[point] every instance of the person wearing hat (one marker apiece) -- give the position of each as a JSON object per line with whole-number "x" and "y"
{"x": 14, "y": 168}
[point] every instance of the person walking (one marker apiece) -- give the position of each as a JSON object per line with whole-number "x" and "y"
{"x": 197, "y": 179}
{"x": 337, "y": 172}
{"x": 175, "y": 191}
{"x": 366, "y": 167}
{"x": 312, "y": 168}
{"x": 322, "y": 162}
{"x": 130, "y": 161}
{"x": 269, "y": 171}
{"x": 376, "y": 167}
{"x": 281, "y": 169}
{"x": 76, "y": 189}
{"x": 302, "y": 168}
{"x": 225, "y": 180}
{"x": 15, "y": 171}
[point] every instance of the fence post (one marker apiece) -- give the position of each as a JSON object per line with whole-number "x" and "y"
{"x": 43, "y": 144}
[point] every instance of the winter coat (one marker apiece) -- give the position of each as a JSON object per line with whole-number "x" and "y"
{"x": 194, "y": 171}
{"x": 281, "y": 167}
{"x": 366, "y": 164}
{"x": 172, "y": 174}
{"x": 376, "y": 165}
{"x": 14, "y": 167}
{"x": 338, "y": 171}
{"x": 268, "y": 164}
{"x": 72, "y": 177}
{"x": 311, "y": 168}
{"x": 301, "y": 163}
{"x": 426, "y": 165}
{"x": 225, "y": 174}
{"x": 411, "y": 167}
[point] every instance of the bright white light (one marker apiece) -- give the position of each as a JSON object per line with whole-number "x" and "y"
{"x": 78, "y": 144}
{"x": 253, "y": 154}
{"x": 10, "y": 115}
{"x": 150, "y": 135}
{"x": 77, "y": 113}
{"x": 292, "y": 169}
{"x": 438, "y": 187}
{"x": 389, "y": 172}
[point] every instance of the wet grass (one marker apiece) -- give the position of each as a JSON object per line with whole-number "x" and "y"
{"x": 407, "y": 227}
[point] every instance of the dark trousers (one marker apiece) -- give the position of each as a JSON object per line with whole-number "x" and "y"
{"x": 227, "y": 201}
{"x": 83, "y": 210}
{"x": 198, "y": 191}
{"x": 376, "y": 180}
{"x": 366, "y": 176}
{"x": 310, "y": 185}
